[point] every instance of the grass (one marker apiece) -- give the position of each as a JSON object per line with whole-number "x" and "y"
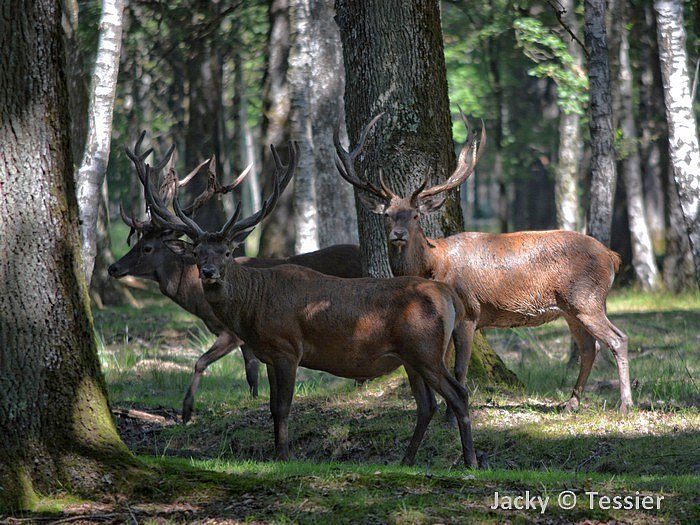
{"x": 348, "y": 439}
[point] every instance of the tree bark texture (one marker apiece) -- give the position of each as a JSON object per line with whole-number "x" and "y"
{"x": 96, "y": 155}
{"x": 643, "y": 260}
{"x": 323, "y": 206}
{"x": 603, "y": 172}
{"x": 682, "y": 127}
{"x": 679, "y": 268}
{"x": 54, "y": 418}
{"x": 301, "y": 117}
{"x": 401, "y": 73}
{"x": 566, "y": 175}
{"x": 277, "y": 236}
{"x": 652, "y": 125}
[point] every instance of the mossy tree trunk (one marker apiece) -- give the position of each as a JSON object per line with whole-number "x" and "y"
{"x": 54, "y": 416}
{"x": 394, "y": 62}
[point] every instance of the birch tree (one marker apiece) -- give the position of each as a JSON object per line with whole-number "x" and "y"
{"x": 570, "y": 140}
{"x": 277, "y": 231}
{"x": 324, "y": 211}
{"x": 682, "y": 128}
{"x": 643, "y": 260}
{"x": 96, "y": 155}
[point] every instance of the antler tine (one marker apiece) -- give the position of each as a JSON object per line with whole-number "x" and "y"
{"x": 191, "y": 174}
{"x": 465, "y": 164}
{"x": 138, "y": 158}
{"x": 344, "y": 161}
{"x": 187, "y": 221}
{"x": 164, "y": 218}
{"x": 282, "y": 176}
{"x": 129, "y": 221}
{"x": 223, "y": 190}
{"x": 387, "y": 191}
{"x": 171, "y": 183}
{"x": 289, "y": 169}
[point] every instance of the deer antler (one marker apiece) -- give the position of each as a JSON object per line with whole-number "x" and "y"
{"x": 185, "y": 224}
{"x": 468, "y": 158}
{"x": 345, "y": 162}
{"x": 283, "y": 174}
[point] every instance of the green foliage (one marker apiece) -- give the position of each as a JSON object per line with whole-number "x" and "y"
{"x": 541, "y": 45}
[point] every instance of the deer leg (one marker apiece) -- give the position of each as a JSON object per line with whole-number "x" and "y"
{"x": 602, "y": 329}
{"x": 587, "y": 349}
{"x": 252, "y": 364}
{"x": 425, "y": 408}
{"x": 223, "y": 345}
{"x": 457, "y": 399}
{"x": 463, "y": 338}
{"x": 283, "y": 375}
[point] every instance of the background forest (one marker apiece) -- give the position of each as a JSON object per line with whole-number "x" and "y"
{"x": 228, "y": 79}
{"x": 93, "y": 368}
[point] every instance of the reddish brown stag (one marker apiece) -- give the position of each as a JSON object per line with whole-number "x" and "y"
{"x": 178, "y": 277}
{"x": 357, "y": 328}
{"x": 504, "y": 280}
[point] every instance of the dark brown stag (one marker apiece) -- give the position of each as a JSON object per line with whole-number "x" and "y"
{"x": 357, "y": 328}
{"x": 504, "y": 280}
{"x": 178, "y": 277}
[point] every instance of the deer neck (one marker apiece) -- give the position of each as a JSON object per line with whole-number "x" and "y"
{"x": 172, "y": 275}
{"x": 235, "y": 295}
{"x": 414, "y": 258}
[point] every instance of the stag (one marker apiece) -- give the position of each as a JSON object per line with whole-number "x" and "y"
{"x": 504, "y": 280}
{"x": 356, "y": 328}
{"x": 178, "y": 277}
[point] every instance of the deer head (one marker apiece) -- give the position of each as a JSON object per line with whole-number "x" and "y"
{"x": 403, "y": 213}
{"x": 212, "y": 251}
{"x": 150, "y": 254}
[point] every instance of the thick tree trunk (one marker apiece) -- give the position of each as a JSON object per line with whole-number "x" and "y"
{"x": 603, "y": 172}
{"x": 277, "y": 234}
{"x": 682, "y": 136}
{"x": 386, "y": 70}
{"x": 402, "y": 73}
{"x": 54, "y": 417}
{"x": 643, "y": 260}
{"x": 96, "y": 155}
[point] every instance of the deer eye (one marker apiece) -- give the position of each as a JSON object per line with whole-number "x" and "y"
{"x": 147, "y": 249}
{"x": 415, "y": 216}
{"x": 227, "y": 254}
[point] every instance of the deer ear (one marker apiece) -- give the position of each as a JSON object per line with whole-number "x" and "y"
{"x": 431, "y": 204}
{"x": 372, "y": 203}
{"x": 181, "y": 248}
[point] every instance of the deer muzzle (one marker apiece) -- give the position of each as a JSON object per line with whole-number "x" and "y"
{"x": 209, "y": 274}
{"x": 398, "y": 236}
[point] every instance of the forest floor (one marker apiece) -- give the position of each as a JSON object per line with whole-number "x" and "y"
{"x": 347, "y": 440}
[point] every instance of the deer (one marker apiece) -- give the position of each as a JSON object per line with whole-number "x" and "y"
{"x": 293, "y": 316}
{"x": 505, "y": 280}
{"x": 177, "y": 275}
